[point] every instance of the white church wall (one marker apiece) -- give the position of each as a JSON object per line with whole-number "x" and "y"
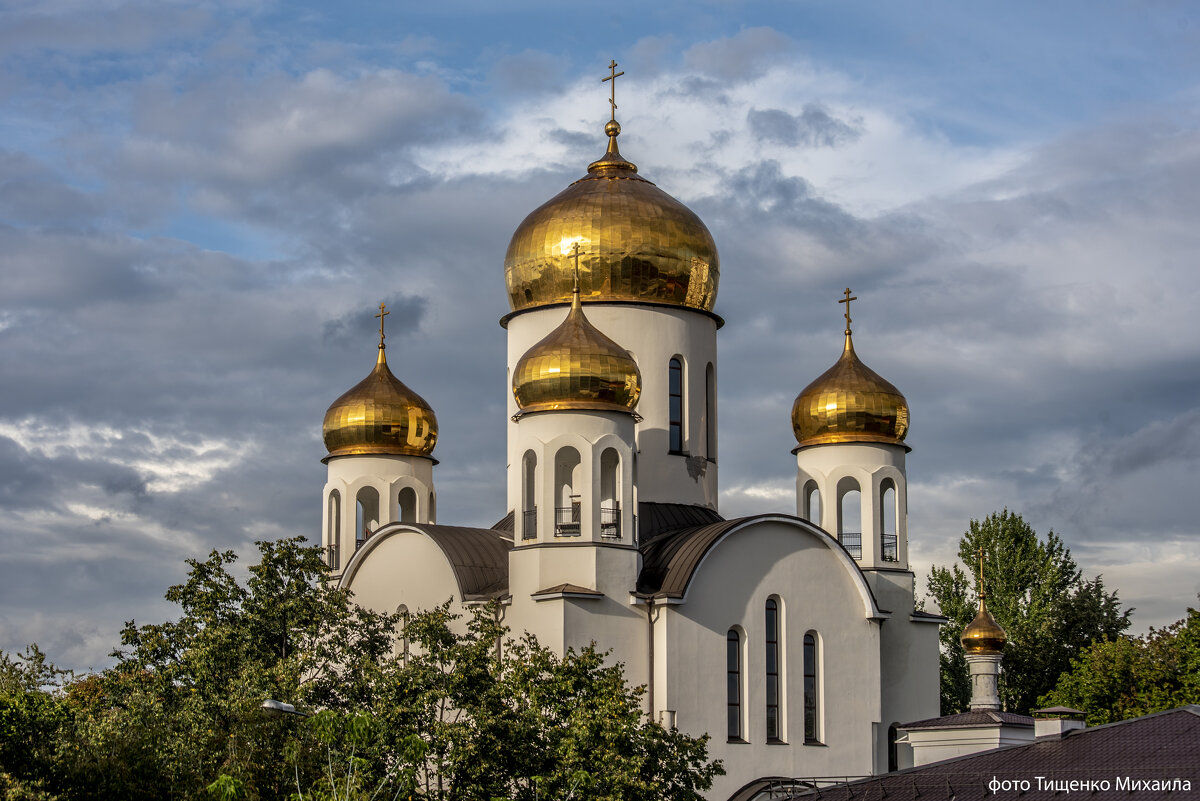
{"x": 818, "y": 592}
{"x": 402, "y": 566}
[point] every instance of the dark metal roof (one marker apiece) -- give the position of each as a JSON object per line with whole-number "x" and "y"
{"x": 568, "y": 589}
{"x": 987, "y": 717}
{"x": 659, "y": 518}
{"x": 506, "y": 525}
{"x": 1159, "y": 747}
{"x": 930, "y": 616}
{"x": 478, "y": 556}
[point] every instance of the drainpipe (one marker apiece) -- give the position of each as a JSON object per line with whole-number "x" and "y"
{"x": 650, "y": 656}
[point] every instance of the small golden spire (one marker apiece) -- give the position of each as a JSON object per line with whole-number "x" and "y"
{"x": 847, "y": 300}
{"x": 982, "y": 593}
{"x": 575, "y": 256}
{"x": 612, "y": 76}
{"x": 383, "y": 312}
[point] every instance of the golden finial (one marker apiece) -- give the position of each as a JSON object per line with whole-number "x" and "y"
{"x": 383, "y": 312}
{"x": 981, "y": 590}
{"x": 847, "y": 300}
{"x": 612, "y": 76}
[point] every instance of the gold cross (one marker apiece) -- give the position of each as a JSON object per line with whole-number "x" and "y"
{"x": 613, "y": 75}
{"x": 575, "y": 256}
{"x": 981, "y": 591}
{"x": 847, "y": 300}
{"x": 382, "y": 313}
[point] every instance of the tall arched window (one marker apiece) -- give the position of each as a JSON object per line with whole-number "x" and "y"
{"x": 366, "y": 517}
{"x": 408, "y": 505}
{"x": 774, "y": 723}
{"x": 893, "y": 751}
{"x": 529, "y": 496}
{"x": 850, "y": 517}
{"x": 888, "y": 544}
{"x": 812, "y": 503}
{"x": 733, "y": 687}
{"x": 710, "y": 413}
{"x": 432, "y": 516}
{"x": 567, "y": 512}
{"x": 610, "y": 494}
{"x": 333, "y": 547}
{"x": 812, "y": 722}
{"x": 675, "y": 405}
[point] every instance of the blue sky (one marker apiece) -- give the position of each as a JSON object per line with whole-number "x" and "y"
{"x": 202, "y": 204}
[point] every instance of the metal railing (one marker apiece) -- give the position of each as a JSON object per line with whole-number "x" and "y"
{"x": 566, "y": 521}
{"x": 610, "y": 521}
{"x": 529, "y": 523}
{"x": 852, "y": 542}
{"x": 891, "y": 551}
{"x": 332, "y": 557}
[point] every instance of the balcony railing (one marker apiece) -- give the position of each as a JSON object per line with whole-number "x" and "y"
{"x": 852, "y": 542}
{"x": 891, "y": 552}
{"x": 331, "y": 557}
{"x": 566, "y": 521}
{"x": 610, "y": 521}
{"x": 529, "y": 523}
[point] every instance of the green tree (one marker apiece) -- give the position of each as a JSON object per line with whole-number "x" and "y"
{"x": 1037, "y": 593}
{"x": 1131, "y": 676}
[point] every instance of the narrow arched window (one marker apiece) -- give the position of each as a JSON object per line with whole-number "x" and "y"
{"x": 850, "y": 518}
{"x": 710, "y": 413}
{"x": 408, "y": 505}
{"x": 432, "y": 516}
{"x": 528, "y": 496}
{"x": 333, "y": 547}
{"x": 889, "y": 544}
{"x": 567, "y": 513}
{"x": 675, "y": 405}
{"x": 893, "y": 752}
{"x": 366, "y": 516}
{"x": 774, "y": 724}
{"x": 610, "y": 494}
{"x": 733, "y": 687}
{"x": 812, "y": 503}
{"x": 812, "y": 731}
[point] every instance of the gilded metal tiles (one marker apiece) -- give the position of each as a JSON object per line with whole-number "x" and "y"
{"x": 380, "y": 415}
{"x": 849, "y": 402}
{"x": 576, "y": 367}
{"x": 637, "y": 243}
{"x": 983, "y": 635}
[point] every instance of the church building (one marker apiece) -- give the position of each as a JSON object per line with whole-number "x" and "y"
{"x": 792, "y": 641}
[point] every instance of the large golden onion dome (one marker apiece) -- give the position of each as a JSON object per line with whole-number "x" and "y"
{"x": 637, "y": 243}
{"x": 983, "y": 635}
{"x": 849, "y": 402}
{"x": 380, "y": 415}
{"x": 576, "y": 366}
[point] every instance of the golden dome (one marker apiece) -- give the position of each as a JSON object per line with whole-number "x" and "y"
{"x": 576, "y": 366}
{"x": 637, "y": 243}
{"x": 983, "y": 635}
{"x": 849, "y": 402}
{"x": 380, "y": 415}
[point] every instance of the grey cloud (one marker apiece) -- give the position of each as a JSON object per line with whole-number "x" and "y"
{"x": 741, "y": 57}
{"x": 359, "y": 325}
{"x": 814, "y": 126}
{"x": 531, "y": 72}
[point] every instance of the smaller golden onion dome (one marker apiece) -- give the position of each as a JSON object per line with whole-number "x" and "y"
{"x": 380, "y": 415}
{"x": 983, "y": 635}
{"x": 849, "y": 402}
{"x": 576, "y": 366}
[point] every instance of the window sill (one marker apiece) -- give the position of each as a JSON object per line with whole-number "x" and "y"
{"x": 815, "y": 742}
{"x": 737, "y": 741}
{"x": 776, "y": 741}
{"x": 678, "y": 453}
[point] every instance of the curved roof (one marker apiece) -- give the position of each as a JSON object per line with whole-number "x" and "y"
{"x": 670, "y": 561}
{"x": 478, "y": 556}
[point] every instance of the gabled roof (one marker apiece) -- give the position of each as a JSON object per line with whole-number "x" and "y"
{"x": 1131, "y": 755}
{"x": 966, "y": 720}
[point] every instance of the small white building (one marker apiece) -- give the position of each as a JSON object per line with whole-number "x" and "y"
{"x": 792, "y": 640}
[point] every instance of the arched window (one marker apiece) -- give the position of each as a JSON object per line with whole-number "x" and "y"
{"x": 850, "y": 517}
{"x": 432, "y": 516}
{"x": 812, "y": 721}
{"x": 733, "y": 691}
{"x": 408, "y": 505}
{"x": 893, "y": 755}
{"x": 567, "y": 512}
{"x": 366, "y": 518}
{"x": 333, "y": 547}
{"x": 529, "y": 496}
{"x": 774, "y": 723}
{"x": 610, "y": 494}
{"x": 675, "y": 405}
{"x": 710, "y": 413}
{"x": 888, "y": 544}
{"x": 812, "y": 503}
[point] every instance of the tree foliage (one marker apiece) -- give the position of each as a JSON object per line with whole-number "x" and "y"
{"x": 1036, "y": 592}
{"x": 1131, "y": 676}
{"x": 458, "y": 713}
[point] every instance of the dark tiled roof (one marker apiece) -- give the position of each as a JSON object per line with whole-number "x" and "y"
{"x": 922, "y": 613}
{"x": 506, "y": 524}
{"x": 659, "y": 518}
{"x": 568, "y": 589}
{"x": 1163, "y": 746}
{"x": 969, "y": 719}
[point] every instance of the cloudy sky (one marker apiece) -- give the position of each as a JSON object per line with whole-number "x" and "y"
{"x": 202, "y": 203}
